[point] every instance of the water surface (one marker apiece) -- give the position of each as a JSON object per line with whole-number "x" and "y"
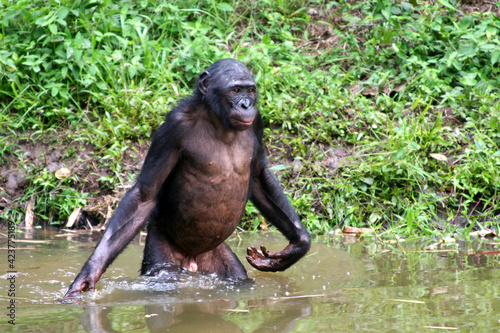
{"x": 343, "y": 285}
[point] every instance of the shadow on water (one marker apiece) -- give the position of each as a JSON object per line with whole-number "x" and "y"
{"x": 342, "y": 285}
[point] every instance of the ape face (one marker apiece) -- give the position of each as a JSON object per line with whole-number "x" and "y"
{"x": 229, "y": 91}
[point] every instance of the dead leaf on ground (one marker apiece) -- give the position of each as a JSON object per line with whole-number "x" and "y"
{"x": 63, "y": 173}
{"x": 29, "y": 218}
{"x": 397, "y": 88}
{"x": 355, "y": 89}
{"x": 439, "y": 157}
{"x": 483, "y": 233}
{"x": 73, "y": 217}
{"x": 263, "y": 225}
{"x": 175, "y": 90}
{"x": 370, "y": 91}
{"x": 357, "y": 231}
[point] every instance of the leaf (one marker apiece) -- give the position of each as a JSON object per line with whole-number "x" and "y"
{"x": 467, "y": 51}
{"x": 45, "y": 20}
{"x": 494, "y": 56}
{"x": 132, "y": 70}
{"x": 63, "y": 12}
{"x": 468, "y": 79}
{"x": 278, "y": 167}
{"x": 30, "y": 214}
{"x": 483, "y": 233}
{"x": 78, "y": 40}
{"x": 408, "y": 6}
{"x": 488, "y": 47}
{"x": 449, "y": 6}
{"x": 69, "y": 52}
{"x": 225, "y": 7}
{"x": 101, "y": 85}
{"x": 73, "y": 217}
{"x": 53, "y": 29}
{"x": 479, "y": 144}
{"x": 368, "y": 180}
{"x": 386, "y": 12}
{"x": 357, "y": 231}
{"x": 399, "y": 154}
{"x": 78, "y": 54}
{"x": 64, "y": 93}
{"x": 412, "y": 146}
{"x": 63, "y": 173}
{"x": 439, "y": 157}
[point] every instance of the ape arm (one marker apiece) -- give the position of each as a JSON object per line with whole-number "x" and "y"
{"x": 269, "y": 198}
{"x": 133, "y": 210}
{"x": 129, "y": 217}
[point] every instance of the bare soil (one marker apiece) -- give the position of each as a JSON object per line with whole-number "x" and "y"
{"x": 50, "y": 154}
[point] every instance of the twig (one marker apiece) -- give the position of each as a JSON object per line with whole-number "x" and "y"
{"x": 406, "y": 301}
{"x": 473, "y": 209}
{"x": 298, "y": 296}
{"x": 340, "y": 224}
{"x": 458, "y": 209}
{"x": 430, "y": 251}
{"x": 482, "y": 253}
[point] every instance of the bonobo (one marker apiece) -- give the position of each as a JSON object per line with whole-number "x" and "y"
{"x": 206, "y": 160}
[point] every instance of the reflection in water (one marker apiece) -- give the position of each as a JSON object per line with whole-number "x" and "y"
{"x": 340, "y": 286}
{"x": 199, "y": 317}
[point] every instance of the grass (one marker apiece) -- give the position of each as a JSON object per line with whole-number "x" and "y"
{"x": 378, "y": 113}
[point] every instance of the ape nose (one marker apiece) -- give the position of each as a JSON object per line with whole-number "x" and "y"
{"x": 245, "y": 103}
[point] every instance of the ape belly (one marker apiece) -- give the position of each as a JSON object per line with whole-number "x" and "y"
{"x": 201, "y": 216}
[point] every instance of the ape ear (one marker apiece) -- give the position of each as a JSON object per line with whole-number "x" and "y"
{"x": 202, "y": 82}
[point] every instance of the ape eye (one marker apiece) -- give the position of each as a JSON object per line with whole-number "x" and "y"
{"x": 251, "y": 90}
{"x": 235, "y": 90}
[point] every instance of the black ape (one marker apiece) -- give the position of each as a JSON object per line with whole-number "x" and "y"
{"x": 206, "y": 160}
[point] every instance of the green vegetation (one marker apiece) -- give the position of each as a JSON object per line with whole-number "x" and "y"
{"x": 377, "y": 113}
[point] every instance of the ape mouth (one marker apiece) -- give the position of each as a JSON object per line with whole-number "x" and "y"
{"x": 243, "y": 123}
{"x": 246, "y": 122}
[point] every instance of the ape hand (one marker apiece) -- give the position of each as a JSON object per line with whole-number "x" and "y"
{"x": 274, "y": 262}
{"x": 85, "y": 281}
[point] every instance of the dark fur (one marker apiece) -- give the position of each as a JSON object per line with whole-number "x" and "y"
{"x": 206, "y": 160}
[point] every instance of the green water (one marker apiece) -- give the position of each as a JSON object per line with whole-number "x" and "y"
{"x": 343, "y": 285}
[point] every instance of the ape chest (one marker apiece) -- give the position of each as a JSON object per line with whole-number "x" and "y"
{"x": 217, "y": 162}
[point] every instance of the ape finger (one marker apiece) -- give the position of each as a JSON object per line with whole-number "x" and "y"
{"x": 265, "y": 251}
{"x": 268, "y": 254}
{"x": 254, "y": 253}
